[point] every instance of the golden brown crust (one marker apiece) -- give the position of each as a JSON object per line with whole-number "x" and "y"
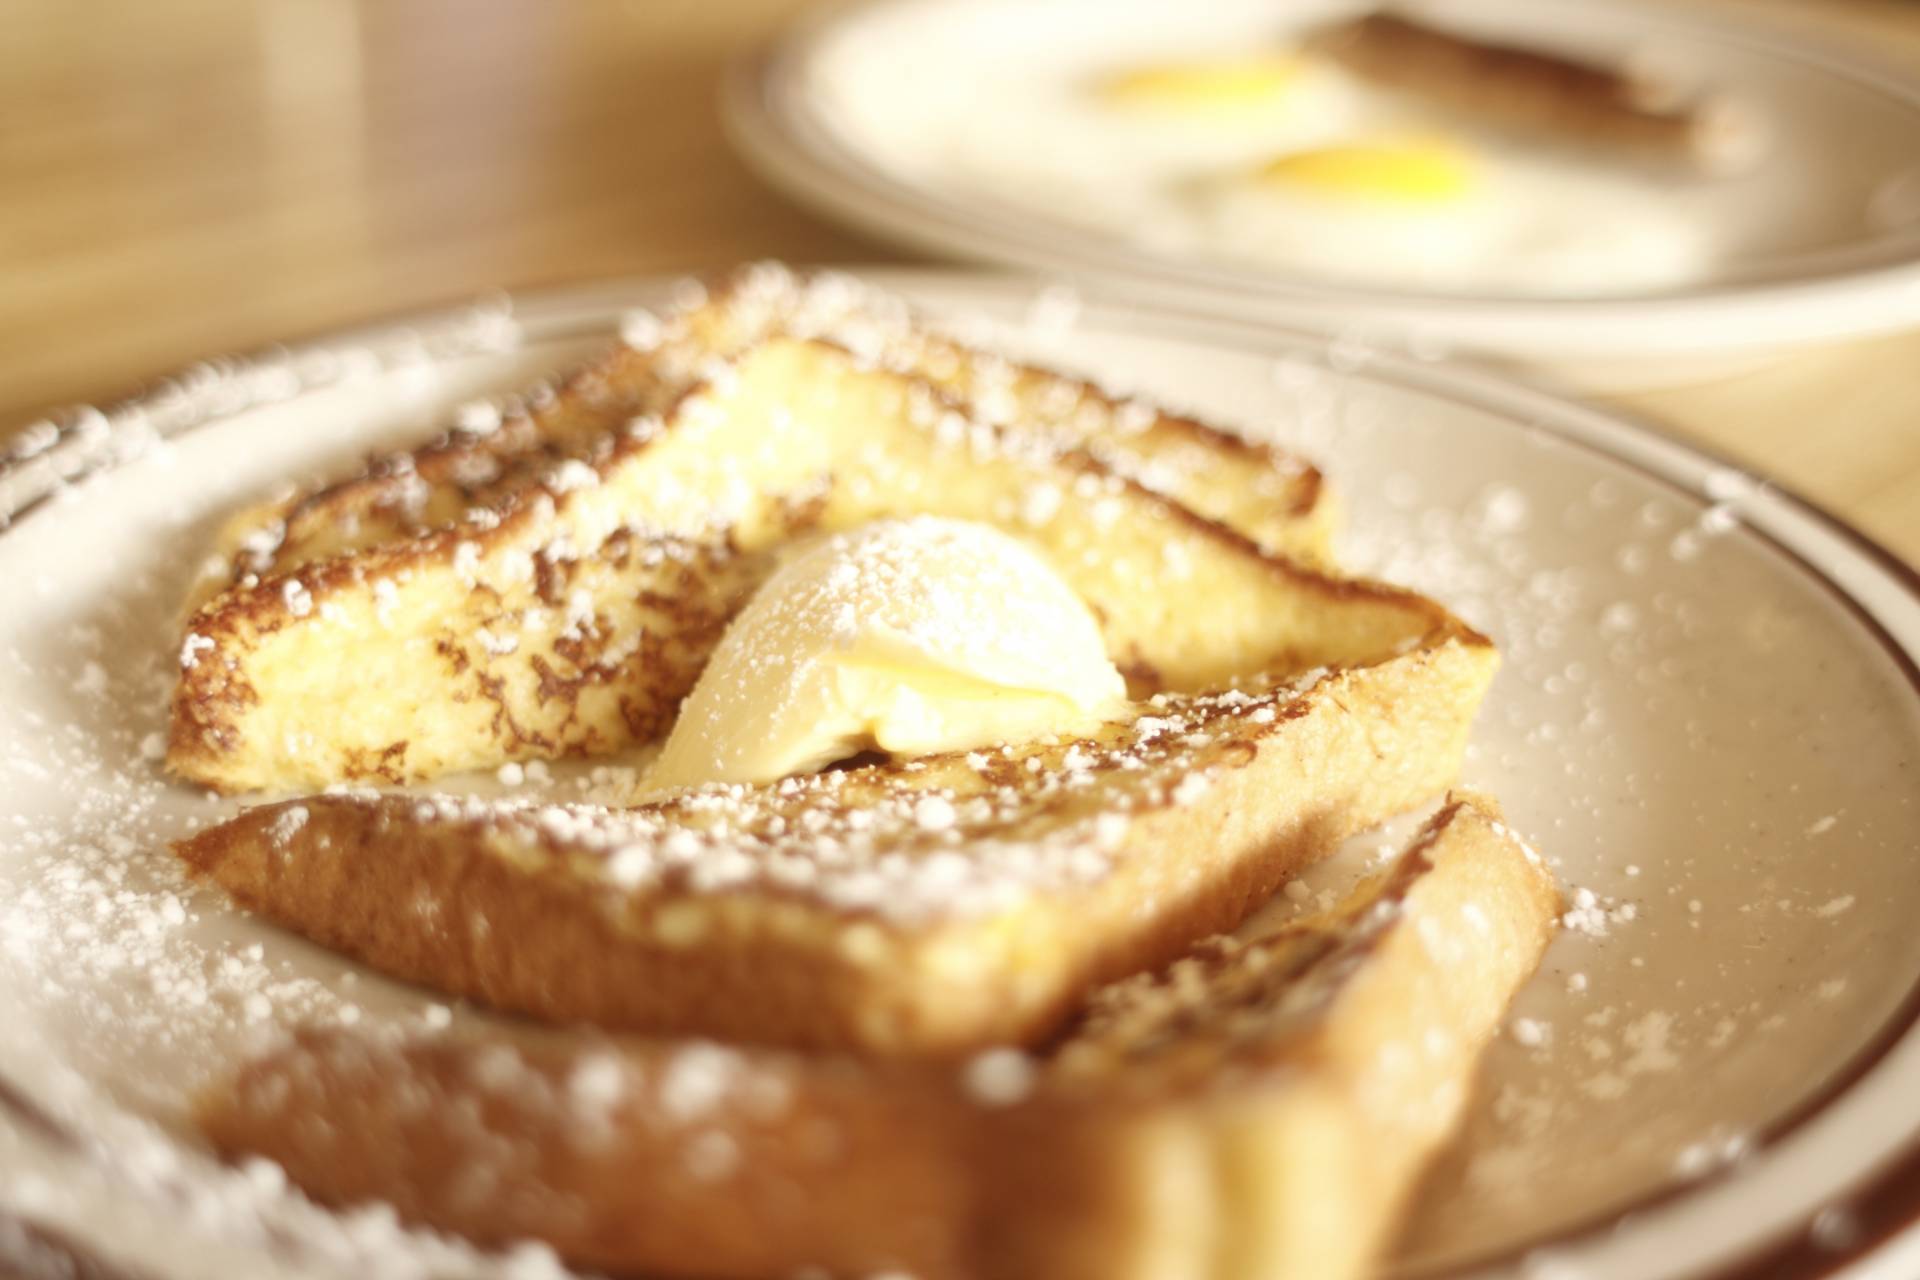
{"x": 1215, "y": 1121}
{"x": 1275, "y": 496}
{"x": 859, "y": 444}
{"x": 499, "y": 488}
{"x": 1161, "y": 830}
{"x": 916, "y": 909}
{"x": 400, "y": 495}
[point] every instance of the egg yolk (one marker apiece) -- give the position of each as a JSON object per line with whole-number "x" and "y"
{"x": 1400, "y": 171}
{"x": 1236, "y": 84}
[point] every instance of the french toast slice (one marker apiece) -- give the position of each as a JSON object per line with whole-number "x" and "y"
{"x": 1258, "y": 1111}
{"x": 572, "y": 618}
{"x": 925, "y": 906}
{"x": 498, "y": 451}
{"x": 1276, "y": 498}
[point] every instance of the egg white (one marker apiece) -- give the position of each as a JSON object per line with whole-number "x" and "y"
{"x": 1530, "y": 225}
{"x": 1004, "y": 104}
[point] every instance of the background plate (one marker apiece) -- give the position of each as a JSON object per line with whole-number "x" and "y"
{"x": 854, "y": 112}
{"x": 1708, "y": 718}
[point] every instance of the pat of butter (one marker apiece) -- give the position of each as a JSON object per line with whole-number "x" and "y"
{"x": 911, "y": 636}
{"x": 1402, "y": 170}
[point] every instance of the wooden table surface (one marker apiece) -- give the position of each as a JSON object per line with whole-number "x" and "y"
{"x": 188, "y": 177}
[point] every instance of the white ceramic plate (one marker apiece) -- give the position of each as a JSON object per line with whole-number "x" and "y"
{"x": 882, "y": 114}
{"x": 1709, "y": 719}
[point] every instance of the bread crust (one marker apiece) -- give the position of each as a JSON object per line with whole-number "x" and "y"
{"x": 1166, "y": 828}
{"x": 553, "y": 586}
{"x": 898, "y": 953}
{"x": 495, "y": 451}
{"x": 1255, "y": 1111}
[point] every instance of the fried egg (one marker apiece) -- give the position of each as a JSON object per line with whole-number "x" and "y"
{"x": 1235, "y": 86}
{"x": 1432, "y": 211}
{"x": 1193, "y": 113}
{"x": 1258, "y": 155}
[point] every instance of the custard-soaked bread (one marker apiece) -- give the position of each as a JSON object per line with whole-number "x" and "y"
{"x": 1275, "y": 498}
{"x": 553, "y": 584}
{"x": 1258, "y": 1111}
{"x": 572, "y": 619}
{"x": 498, "y": 452}
{"x": 922, "y": 906}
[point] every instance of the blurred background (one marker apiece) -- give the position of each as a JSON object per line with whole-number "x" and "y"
{"x": 191, "y": 177}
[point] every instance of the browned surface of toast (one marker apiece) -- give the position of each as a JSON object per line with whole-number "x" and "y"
{"x": 1257, "y": 1111}
{"x": 498, "y": 450}
{"x": 553, "y": 583}
{"x": 571, "y": 615}
{"x": 827, "y": 910}
{"x": 917, "y": 907}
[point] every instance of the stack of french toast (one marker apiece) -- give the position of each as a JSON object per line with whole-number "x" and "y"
{"x": 953, "y": 1012}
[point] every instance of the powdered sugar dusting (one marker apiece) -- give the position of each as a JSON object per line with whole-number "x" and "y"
{"x": 1659, "y": 728}
{"x": 1623, "y": 657}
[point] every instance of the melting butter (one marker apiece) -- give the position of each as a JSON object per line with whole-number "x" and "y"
{"x": 908, "y": 636}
